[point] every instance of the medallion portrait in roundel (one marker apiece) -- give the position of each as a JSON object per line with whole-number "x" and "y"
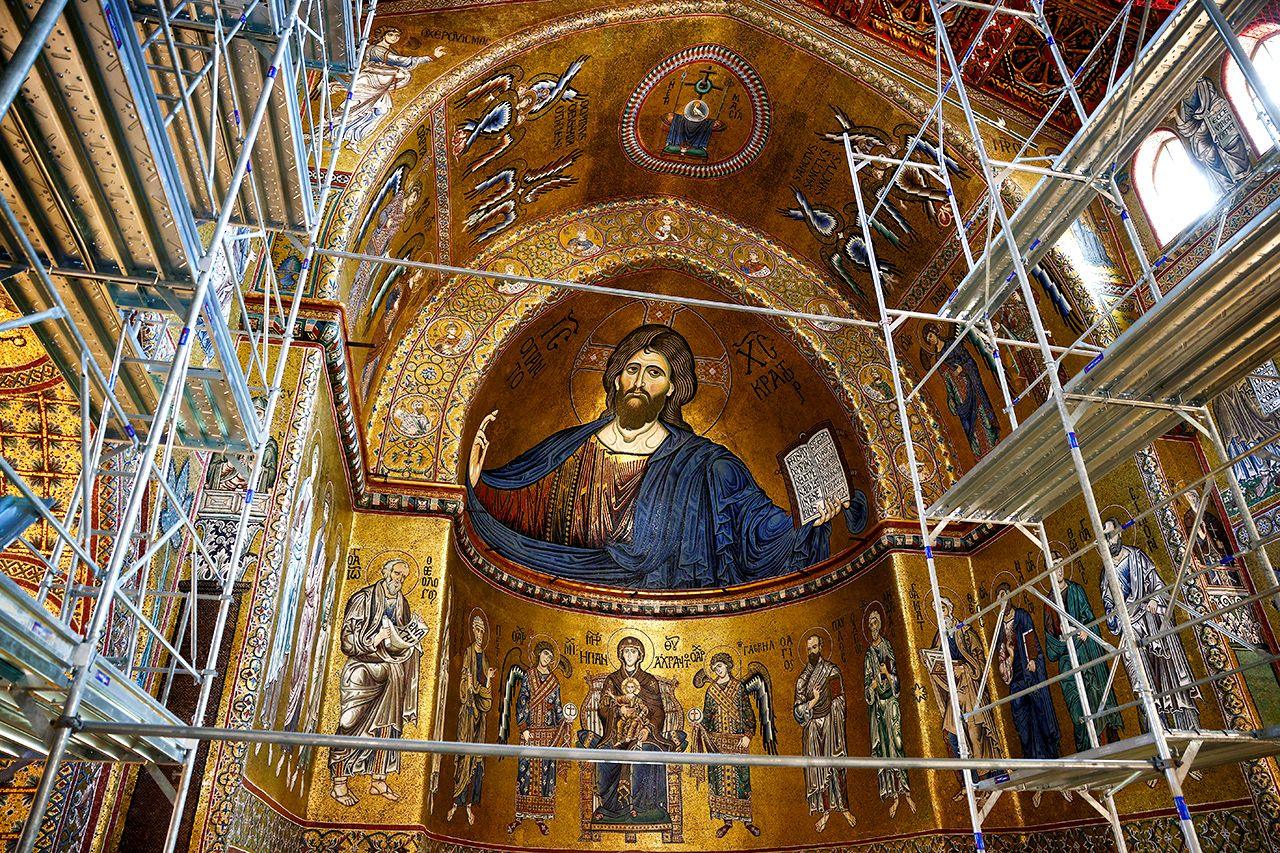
{"x": 700, "y": 113}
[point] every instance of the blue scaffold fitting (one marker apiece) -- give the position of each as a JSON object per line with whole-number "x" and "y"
{"x": 1180, "y": 804}
{"x": 928, "y": 552}
{"x": 950, "y": 192}
{"x": 1049, "y": 41}
{"x": 1010, "y": 278}
{"x": 306, "y": 263}
{"x": 186, "y": 333}
{"x": 130, "y": 431}
{"x": 248, "y": 496}
{"x": 977, "y": 840}
{"x": 271, "y": 72}
{"x": 1160, "y": 261}
{"x": 1128, "y": 524}
{"x": 1097, "y": 359}
{"x": 248, "y": 168}
{"x": 1071, "y": 440}
{"x": 236, "y": 114}
{"x": 1034, "y": 243}
{"x": 1124, "y": 215}
{"x": 115, "y": 31}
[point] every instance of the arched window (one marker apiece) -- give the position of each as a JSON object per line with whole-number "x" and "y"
{"x": 1175, "y": 192}
{"x": 1262, "y": 43}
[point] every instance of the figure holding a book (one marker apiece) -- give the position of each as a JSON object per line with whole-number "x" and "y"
{"x": 636, "y": 498}
{"x": 1022, "y": 666}
{"x": 819, "y": 708}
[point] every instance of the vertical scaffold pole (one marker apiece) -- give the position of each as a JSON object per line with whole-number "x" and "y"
{"x": 86, "y": 652}
{"x": 1139, "y": 676}
{"x": 944, "y": 628}
{"x": 1086, "y": 704}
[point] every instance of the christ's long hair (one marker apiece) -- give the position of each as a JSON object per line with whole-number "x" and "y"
{"x": 671, "y": 345}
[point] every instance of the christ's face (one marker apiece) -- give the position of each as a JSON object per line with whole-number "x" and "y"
{"x": 631, "y": 687}
{"x": 642, "y": 389}
{"x": 630, "y": 656}
{"x": 477, "y": 631}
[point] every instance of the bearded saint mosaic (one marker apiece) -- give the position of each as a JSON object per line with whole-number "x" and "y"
{"x": 378, "y": 687}
{"x": 635, "y": 498}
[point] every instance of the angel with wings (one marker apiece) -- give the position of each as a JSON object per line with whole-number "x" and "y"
{"x": 727, "y": 725}
{"x": 534, "y": 690}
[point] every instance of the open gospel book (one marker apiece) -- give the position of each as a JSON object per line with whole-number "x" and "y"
{"x": 815, "y": 474}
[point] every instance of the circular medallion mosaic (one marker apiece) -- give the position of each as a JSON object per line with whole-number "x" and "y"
{"x": 700, "y": 113}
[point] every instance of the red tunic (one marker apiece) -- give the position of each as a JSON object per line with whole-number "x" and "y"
{"x": 588, "y": 501}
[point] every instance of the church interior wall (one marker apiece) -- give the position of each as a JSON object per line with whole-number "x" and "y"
{"x": 422, "y": 388}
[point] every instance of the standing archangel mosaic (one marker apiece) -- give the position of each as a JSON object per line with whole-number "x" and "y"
{"x": 378, "y": 688}
{"x": 727, "y": 724}
{"x": 540, "y": 718}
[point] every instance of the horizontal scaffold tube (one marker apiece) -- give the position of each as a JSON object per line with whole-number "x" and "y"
{"x": 620, "y": 756}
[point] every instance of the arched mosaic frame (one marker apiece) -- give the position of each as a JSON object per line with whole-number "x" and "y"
{"x": 850, "y": 360}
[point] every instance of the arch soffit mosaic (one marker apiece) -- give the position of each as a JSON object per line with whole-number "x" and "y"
{"x": 399, "y": 130}
{"x": 851, "y": 360}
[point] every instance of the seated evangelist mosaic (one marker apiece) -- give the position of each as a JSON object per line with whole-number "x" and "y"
{"x": 636, "y": 498}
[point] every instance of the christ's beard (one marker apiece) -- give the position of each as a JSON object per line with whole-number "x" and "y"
{"x": 635, "y": 409}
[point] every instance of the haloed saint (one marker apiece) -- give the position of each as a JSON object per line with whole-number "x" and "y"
{"x": 635, "y": 498}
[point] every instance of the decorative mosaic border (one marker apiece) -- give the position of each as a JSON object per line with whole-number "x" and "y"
{"x": 816, "y": 580}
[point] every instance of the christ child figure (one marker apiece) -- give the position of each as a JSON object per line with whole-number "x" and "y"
{"x": 633, "y": 714}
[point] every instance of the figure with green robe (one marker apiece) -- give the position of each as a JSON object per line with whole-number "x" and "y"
{"x": 881, "y": 689}
{"x": 1087, "y": 648}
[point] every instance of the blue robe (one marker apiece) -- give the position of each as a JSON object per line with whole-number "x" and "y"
{"x": 700, "y": 520}
{"x": 1033, "y": 714}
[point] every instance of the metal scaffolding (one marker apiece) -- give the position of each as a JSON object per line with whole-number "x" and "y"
{"x": 1210, "y": 330}
{"x": 207, "y": 134}
{"x": 197, "y": 135}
